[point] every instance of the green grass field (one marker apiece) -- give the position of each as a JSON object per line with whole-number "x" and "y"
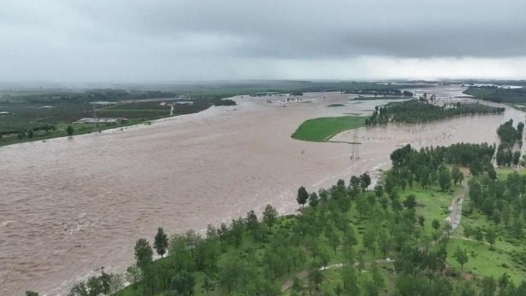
{"x": 324, "y": 128}
{"x": 483, "y": 261}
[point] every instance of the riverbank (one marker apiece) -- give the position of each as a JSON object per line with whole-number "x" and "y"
{"x": 88, "y": 200}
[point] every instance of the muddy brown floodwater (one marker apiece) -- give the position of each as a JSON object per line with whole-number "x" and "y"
{"x": 70, "y": 206}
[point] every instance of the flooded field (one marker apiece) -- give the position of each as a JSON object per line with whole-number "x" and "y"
{"x": 70, "y": 206}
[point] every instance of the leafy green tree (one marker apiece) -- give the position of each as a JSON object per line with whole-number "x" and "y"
{"x": 30, "y": 133}
{"x": 520, "y": 127}
{"x": 491, "y": 236}
{"x": 70, "y": 130}
{"x": 489, "y": 286}
{"x": 384, "y": 242}
{"x": 461, "y": 256}
{"x": 466, "y": 289}
{"x": 334, "y": 239}
{"x": 31, "y": 293}
{"x": 350, "y": 280}
{"x": 444, "y": 179}
{"x": 253, "y": 224}
{"x": 315, "y": 279}
{"x": 421, "y": 221}
{"x": 457, "y": 175}
{"x": 504, "y": 280}
{"x": 410, "y": 201}
{"x": 133, "y": 275}
{"x": 94, "y": 285}
{"x": 207, "y": 285}
{"x": 183, "y": 284}
{"x": 435, "y": 224}
{"x": 297, "y": 285}
{"x": 161, "y": 242}
{"x": 369, "y": 239}
{"x": 106, "y": 282}
{"x": 379, "y": 190}
{"x": 270, "y": 216}
{"x": 314, "y": 200}
{"x": 303, "y": 196}
{"x": 468, "y": 231}
{"x": 377, "y": 276}
{"x": 517, "y": 230}
{"x": 371, "y": 288}
{"x": 143, "y": 252}
{"x": 365, "y": 181}
{"x": 478, "y": 234}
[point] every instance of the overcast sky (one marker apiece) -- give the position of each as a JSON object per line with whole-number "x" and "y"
{"x": 176, "y": 40}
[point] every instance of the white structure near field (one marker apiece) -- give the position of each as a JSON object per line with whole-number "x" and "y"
{"x": 102, "y": 120}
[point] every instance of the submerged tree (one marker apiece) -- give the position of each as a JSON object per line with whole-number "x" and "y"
{"x": 161, "y": 242}
{"x": 303, "y": 196}
{"x": 70, "y": 130}
{"x": 143, "y": 252}
{"x": 270, "y": 215}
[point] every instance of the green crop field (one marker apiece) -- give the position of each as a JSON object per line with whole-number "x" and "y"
{"x": 322, "y": 129}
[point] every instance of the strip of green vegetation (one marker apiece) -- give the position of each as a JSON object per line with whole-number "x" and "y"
{"x": 498, "y": 94}
{"x": 415, "y": 111}
{"x": 60, "y": 130}
{"x": 379, "y": 98}
{"x": 324, "y": 128}
{"x": 335, "y": 105}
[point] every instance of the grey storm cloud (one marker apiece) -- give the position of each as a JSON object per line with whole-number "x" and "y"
{"x": 131, "y": 36}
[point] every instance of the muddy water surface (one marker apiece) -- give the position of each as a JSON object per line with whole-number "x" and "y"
{"x": 70, "y": 206}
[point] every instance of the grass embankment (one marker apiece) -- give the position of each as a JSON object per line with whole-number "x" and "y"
{"x": 324, "y": 128}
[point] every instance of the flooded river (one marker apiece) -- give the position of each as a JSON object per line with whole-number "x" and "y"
{"x": 70, "y": 206}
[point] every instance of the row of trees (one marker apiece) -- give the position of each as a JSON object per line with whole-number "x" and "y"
{"x": 415, "y": 111}
{"x": 498, "y": 94}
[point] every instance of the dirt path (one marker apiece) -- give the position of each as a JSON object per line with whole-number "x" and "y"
{"x": 456, "y": 207}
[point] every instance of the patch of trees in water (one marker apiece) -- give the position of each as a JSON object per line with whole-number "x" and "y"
{"x": 415, "y": 111}
{"x": 509, "y": 136}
